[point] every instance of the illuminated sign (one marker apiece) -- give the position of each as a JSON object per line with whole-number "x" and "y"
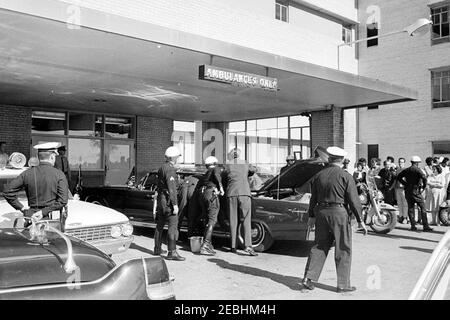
{"x": 237, "y": 78}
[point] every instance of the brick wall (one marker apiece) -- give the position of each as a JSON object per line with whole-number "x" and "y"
{"x": 153, "y": 137}
{"x": 15, "y": 129}
{"x": 404, "y": 129}
{"x": 327, "y": 128}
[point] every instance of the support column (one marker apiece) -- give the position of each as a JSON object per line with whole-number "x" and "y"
{"x": 327, "y": 128}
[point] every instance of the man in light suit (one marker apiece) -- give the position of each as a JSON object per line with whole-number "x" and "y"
{"x": 239, "y": 198}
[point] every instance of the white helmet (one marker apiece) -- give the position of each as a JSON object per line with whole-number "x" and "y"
{"x": 416, "y": 159}
{"x": 211, "y": 160}
{"x": 172, "y": 152}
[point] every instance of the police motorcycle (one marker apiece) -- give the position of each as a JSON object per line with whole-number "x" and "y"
{"x": 380, "y": 216}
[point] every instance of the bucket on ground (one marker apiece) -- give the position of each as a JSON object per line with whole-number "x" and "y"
{"x": 196, "y": 243}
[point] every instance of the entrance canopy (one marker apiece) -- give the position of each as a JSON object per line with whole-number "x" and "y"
{"x": 46, "y": 64}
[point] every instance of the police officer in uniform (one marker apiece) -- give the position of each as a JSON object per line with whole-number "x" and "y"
{"x": 332, "y": 190}
{"x": 211, "y": 188}
{"x": 167, "y": 205}
{"x": 239, "y": 200}
{"x": 415, "y": 182}
{"x": 45, "y": 186}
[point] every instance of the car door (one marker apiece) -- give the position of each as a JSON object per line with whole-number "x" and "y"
{"x": 140, "y": 204}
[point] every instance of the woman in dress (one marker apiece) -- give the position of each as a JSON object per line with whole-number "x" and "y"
{"x": 435, "y": 183}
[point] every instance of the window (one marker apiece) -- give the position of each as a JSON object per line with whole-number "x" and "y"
{"x": 441, "y": 148}
{"x": 440, "y": 82}
{"x": 88, "y": 138}
{"x": 282, "y": 11}
{"x": 85, "y": 152}
{"x": 86, "y": 125}
{"x": 118, "y": 128}
{"x": 43, "y": 122}
{"x": 346, "y": 34}
{"x": 266, "y": 142}
{"x": 372, "y": 108}
{"x": 372, "y": 31}
{"x": 183, "y": 138}
{"x": 372, "y": 151}
{"x": 439, "y": 16}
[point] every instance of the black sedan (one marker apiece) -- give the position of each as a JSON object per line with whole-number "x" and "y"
{"x": 43, "y": 263}
{"x": 279, "y": 207}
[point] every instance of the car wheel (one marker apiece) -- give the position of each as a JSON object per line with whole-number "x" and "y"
{"x": 444, "y": 216}
{"x": 262, "y": 240}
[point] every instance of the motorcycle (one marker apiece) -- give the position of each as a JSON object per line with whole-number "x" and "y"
{"x": 444, "y": 213}
{"x": 380, "y": 216}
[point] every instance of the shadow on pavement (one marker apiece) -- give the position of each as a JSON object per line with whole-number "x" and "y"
{"x": 417, "y": 249}
{"x": 291, "y": 248}
{"x": 396, "y": 236}
{"x": 141, "y": 249}
{"x": 288, "y": 281}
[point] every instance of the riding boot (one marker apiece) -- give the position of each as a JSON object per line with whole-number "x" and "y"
{"x": 158, "y": 242}
{"x": 208, "y": 238}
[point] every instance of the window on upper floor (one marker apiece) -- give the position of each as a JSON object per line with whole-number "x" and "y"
{"x": 440, "y": 83}
{"x": 282, "y": 10}
{"x": 372, "y": 31}
{"x": 439, "y": 16}
{"x": 347, "y": 34}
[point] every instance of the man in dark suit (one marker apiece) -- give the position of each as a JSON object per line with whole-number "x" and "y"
{"x": 62, "y": 163}
{"x": 239, "y": 198}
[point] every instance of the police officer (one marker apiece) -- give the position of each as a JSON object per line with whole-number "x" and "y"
{"x": 211, "y": 188}
{"x": 290, "y": 160}
{"x": 239, "y": 198}
{"x": 167, "y": 205}
{"x": 415, "y": 182}
{"x": 62, "y": 163}
{"x": 45, "y": 186}
{"x": 332, "y": 189}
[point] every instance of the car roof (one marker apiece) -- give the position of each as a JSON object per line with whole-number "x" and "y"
{"x": 26, "y": 263}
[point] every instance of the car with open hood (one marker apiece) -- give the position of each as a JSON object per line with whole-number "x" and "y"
{"x": 104, "y": 228}
{"x": 279, "y": 207}
{"x": 41, "y": 262}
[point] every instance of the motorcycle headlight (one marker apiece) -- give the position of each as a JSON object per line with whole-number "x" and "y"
{"x": 127, "y": 229}
{"x": 116, "y": 231}
{"x": 380, "y": 196}
{"x": 363, "y": 198}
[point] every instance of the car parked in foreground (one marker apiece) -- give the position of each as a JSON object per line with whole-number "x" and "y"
{"x": 434, "y": 282}
{"x": 104, "y": 228}
{"x": 279, "y": 207}
{"x": 43, "y": 263}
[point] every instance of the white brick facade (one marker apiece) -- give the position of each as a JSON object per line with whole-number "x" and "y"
{"x": 405, "y": 129}
{"x": 307, "y": 37}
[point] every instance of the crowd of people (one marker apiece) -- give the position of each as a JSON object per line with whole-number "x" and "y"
{"x": 433, "y": 187}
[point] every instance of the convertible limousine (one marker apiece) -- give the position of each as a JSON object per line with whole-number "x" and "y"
{"x": 279, "y": 207}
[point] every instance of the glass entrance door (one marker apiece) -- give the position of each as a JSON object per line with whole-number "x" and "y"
{"x": 119, "y": 161}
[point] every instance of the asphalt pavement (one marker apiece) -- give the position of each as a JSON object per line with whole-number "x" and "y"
{"x": 383, "y": 267}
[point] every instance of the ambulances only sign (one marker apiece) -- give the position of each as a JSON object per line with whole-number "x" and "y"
{"x": 237, "y": 78}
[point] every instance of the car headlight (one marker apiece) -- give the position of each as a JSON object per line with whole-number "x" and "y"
{"x": 127, "y": 229}
{"x": 116, "y": 231}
